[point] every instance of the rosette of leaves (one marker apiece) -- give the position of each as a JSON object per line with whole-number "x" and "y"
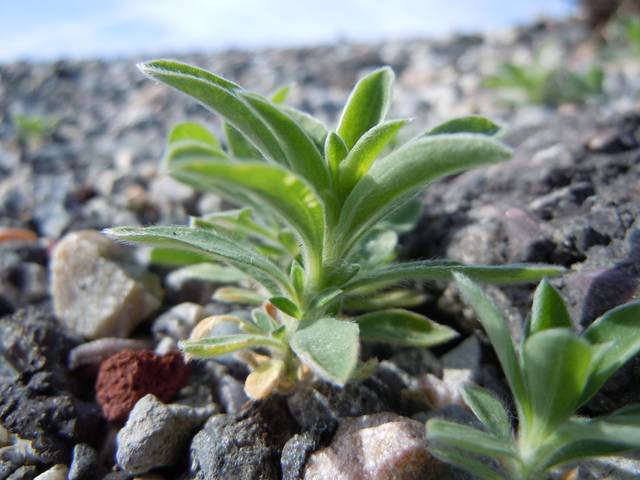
{"x": 551, "y": 373}
{"x": 312, "y": 199}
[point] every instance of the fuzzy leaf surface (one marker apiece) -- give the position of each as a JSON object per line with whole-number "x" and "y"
{"x": 330, "y": 347}
{"x": 549, "y": 309}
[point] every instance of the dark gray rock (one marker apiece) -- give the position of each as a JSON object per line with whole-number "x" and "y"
{"x": 85, "y": 464}
{"x": 247, "y": 445}
{"x": 38, "y": 399}
{"x": 298, "y": 448}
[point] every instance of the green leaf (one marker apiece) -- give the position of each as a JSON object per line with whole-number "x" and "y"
{"x": 549, "y": 309}
{"x": 285, "y": 305}
{"x": 263, "y": 321}
{"x": 335, "y": 151}
{"x": 212, "y": 347}
{"x": 314, "y": 128}
{"x": 296, "y": 275}
{"x": 214, "y": 245}
{"x": 396, "y": 178}
{"x": 557, "y": 364}
{"x": 193, "y": 132}
{"x": 466, "y": 462}
{"x": 498, "y": 332}
{"x": 470, "y": 124}
{"x": 402, "y": 327}
{"x": 302, "y": 155}
{"x": 384, "y": 300}
{"x": 171, "y": 257}
{"x": 325, "y": 299}
{"x": 221, "y": 96}
{"x": 241, "y": 296}
{"x": 329, "y": 347}
{"x": 364, "y": 152}
{"x": 583, "y": 438}
{"x": 211, "y": 272}
{"x": 239, "y": 146}
{"x": 620, "y": 327}
{"x": 404, "y": 219}
{"x": 442, "y": 433}
{"x": 285, "y": 193}
{"x": 489, "y": 411}
{"x": 367, "y": 105}
{"x": 280, "y": 95}
{"x": 444, "y": 269}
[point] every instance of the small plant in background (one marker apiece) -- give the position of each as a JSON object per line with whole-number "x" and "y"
{"x": 33, "y": 129}
{"x": 541, "y": 84}
{"x": 319, "y": 225}
{"x": 552, "y": 373}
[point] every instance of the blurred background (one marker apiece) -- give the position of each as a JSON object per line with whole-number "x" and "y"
{"x": 44, "y": 30}
{"x": 82, "y": 132}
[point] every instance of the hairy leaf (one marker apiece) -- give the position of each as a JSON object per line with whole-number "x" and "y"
{"x": 489, "y": 410}
{"x": 396, "y": 178}
{"x": 470, "y": 124}
{"x": 402, "y": 327}
{"x": 549, "y": 309}
{"x": 329, "y": 347}
{"x": 214, "y": 245}
{"x": 211, "y": 347}
{"x": 443, "y": 433}
{"x": 193, "y": 132}
{"x": 367, "y": 105}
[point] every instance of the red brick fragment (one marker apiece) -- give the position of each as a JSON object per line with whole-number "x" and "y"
{"x": 127, "y": 376}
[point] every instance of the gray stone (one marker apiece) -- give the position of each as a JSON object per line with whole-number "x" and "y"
{"x": 247, "y": 445}
{"x": 37, "y": 393}
{"x": 57, "y": 472}
{"x": 84, "y": 463}
{"x": 94, "y": 352}
{"x": 97, "y": 291}
{"x": 375, "y": 447}
{"x": 178, "y": 321}
{"x": 155, "y": 433}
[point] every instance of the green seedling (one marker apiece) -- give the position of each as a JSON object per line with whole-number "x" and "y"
{"x": 551, "y": 373}
{"x": 34, "y": 129}
{"x": 318, "y": 227}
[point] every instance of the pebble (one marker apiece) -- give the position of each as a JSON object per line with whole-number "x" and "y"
{"x": 95, "y": 352}
{"x": 155, "y": 433}
{"x": 129, "y": 375}
{"x": 178, "y": 321}
{"x": 57, "y": 472}
{"x": 96, "y": 293}
{"x": 375, "y": 447}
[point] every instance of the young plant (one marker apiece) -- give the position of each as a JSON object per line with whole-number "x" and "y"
{"x": 541, "y": 84}
{"x": 314, "y": 204}
{"x": 552, "y": 373}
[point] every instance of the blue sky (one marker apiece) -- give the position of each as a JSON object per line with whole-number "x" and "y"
{"x": 49, "y": 29}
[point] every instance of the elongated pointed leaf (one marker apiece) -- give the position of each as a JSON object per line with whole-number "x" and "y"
{"x": 212, "y": 347}
{"x": 302, "y": 155}
{"x": 489, "y": 411}
{"x": 620, "y": 327}
{"x": 314, "y": 128}
{"x": 557, "y": 364}
{"x": 285, "y": 305}
{"x": 367, "y": 105}
{"x": 396, "y": 178}
{"x": 549, "y": 309}
{"x": 288, "y": 195}
{"x": 498, "y": 332}
{"x": 402, "y": 327}
{"x": 174, "y": 258}
{"x": 466, "y": 462}
{"x": 263, "y": 321}
{"x": 214, "y": 245}
{"x": 335, "y": 151}
{"x": 239, "y": 146}
{"x": 364, "y": 153}
{"x": 221, "y": 96}
{"x": 470, "y": 124}
{"x": 582, "y": 438}
{"x": 280, "y": 95}
{"x": 325, "y": 298}
{"x": 212, "y": 272}
{"x": 329, "y": 347}
{"x": 444, "y": 269}
{"x": 441, "y": 433}
{"x": 193, "y": 132}
{"x": 401, "y": 298}
{"x": 238, "y": 295}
